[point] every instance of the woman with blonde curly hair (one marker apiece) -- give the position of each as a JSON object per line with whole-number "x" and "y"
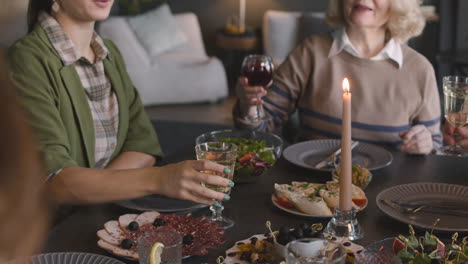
{"x": 395, "y": 95}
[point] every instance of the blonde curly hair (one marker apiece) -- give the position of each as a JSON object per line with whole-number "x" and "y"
{"x": 406, "y": 19}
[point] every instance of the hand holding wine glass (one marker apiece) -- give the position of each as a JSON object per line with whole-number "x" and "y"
{"x": 257, "y": 73}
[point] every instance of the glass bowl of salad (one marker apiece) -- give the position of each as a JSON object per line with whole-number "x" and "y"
{"x": 257, "y": 151}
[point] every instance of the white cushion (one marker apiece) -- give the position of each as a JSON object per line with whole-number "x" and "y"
{"x": 157, "y": 30}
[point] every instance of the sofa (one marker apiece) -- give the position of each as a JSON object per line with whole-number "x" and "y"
{"x": 184, "y": 74}
{"x": 284, "y": 30}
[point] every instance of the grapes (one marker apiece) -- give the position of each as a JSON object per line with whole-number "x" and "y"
{"x": 298, "y": 233}
{"x": 287, "y": 234}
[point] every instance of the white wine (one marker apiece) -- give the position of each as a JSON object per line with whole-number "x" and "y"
{"x": 456, "y": 106}
{"x": 213, "y": 151}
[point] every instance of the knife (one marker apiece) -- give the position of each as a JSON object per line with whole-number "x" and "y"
{"x": 326, "y": 161}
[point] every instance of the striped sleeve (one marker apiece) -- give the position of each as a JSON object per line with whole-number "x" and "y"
{"x": 429, "y": 113}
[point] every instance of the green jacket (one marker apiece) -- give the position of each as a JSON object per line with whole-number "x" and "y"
{"x": 56, "y": 102}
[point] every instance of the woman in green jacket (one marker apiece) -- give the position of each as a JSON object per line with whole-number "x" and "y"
{"x": 97, "y": 143}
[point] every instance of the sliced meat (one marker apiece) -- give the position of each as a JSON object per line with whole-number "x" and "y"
{"x": 113, "y": 228}
{"x": 146, "y": 218}
{"x": 102, "y": 234}
{"x": 118, "y": 250}
{"x": 126, "y": 219}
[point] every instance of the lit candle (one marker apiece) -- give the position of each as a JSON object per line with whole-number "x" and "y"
{"x": 242, "y": 16}
{"x": 346, "y": 157}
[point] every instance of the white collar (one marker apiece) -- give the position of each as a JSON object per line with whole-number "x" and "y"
{"x": 392, "y": 49}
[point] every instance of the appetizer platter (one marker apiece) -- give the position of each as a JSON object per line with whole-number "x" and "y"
{"x": 427, "y": 249}
{"x": 120, "y": 236}
{"x": 270, "y": 248}
{"x": 314, "y": 199}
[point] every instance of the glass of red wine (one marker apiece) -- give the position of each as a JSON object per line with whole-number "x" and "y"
{"x": 258, "y": 69}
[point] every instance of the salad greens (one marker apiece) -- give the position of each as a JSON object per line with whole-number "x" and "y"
{"x": 253, "y": 158}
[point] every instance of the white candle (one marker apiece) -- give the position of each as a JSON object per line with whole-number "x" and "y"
{"x": 346, "y": 157}
{"x": 242, "y": 16}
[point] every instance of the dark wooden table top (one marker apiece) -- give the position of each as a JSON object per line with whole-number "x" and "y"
{"x": 251, "y": 204}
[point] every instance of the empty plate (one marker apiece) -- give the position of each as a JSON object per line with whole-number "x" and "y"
{"x": 308, "y": 153}
{"x": 439, "y": 199}
{"x": 67, "y": 258}
{"x": 161, "y": 204}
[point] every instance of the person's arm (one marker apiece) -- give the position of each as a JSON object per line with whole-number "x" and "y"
{"x": 425, "y": 135}
{"x": 182, "y": 180}
{"x": 132, "y": 160}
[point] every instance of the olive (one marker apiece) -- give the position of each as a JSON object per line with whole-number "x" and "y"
{"x": 284, "y": 230}
{"x": 126, "y": 244}
{"x": 159, "y": 222}
{"x": 133, "y": 226}
{"x": 298, "y": 233}
{"x": 188, "y": 239}
{"x": 305, "y": 227}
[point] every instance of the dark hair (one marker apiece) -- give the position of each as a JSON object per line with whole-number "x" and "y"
{"x": 34, "y": 9}
{"x": 24, "y": 198}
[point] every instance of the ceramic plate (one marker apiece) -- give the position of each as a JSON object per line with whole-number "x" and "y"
{"x": 297, "y": 212}
{"x": 308, "y": 153}
{"x": 161, "y": 204}
{"x": 445, "y": 195}
{"x": 67, "y": 258}
{"x": 232, "y": 258}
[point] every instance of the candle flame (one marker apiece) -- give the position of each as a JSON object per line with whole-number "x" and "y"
{"x": 346, "y": 85}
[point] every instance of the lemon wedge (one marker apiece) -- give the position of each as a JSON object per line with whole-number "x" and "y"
{"x": 156, "y": 251}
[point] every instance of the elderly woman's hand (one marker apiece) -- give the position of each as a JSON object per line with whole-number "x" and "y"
{"x": 417, "y": 140}
{"x": 250, "y": 95}
{"x": 183, "y": 181}
{"x": 450, "y": 132}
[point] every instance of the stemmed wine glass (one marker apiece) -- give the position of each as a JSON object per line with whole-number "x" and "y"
{"x": 258, "y": 69}
{"x": 456, "y": 109}
{"x": 225, "y": 154}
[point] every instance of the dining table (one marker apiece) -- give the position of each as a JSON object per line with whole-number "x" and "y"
{"x": 251, "y": 205}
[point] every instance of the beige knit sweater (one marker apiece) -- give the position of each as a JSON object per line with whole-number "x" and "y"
{"x": 386, "y": 100}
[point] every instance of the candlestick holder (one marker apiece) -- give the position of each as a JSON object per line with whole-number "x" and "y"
{"x": 344, "y": 224}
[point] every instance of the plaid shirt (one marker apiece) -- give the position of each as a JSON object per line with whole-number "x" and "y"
{"x": 101, "y": 98}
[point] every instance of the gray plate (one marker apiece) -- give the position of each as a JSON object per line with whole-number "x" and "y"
{"x": 161, "y": 204}
{"x": 308, "y": 153}
{"x": 430, "y": 193}
{"x": 67, "y": 258}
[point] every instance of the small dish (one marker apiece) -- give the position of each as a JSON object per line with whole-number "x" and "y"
{"x": 361, "y": 182}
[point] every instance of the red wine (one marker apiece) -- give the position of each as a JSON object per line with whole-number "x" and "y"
{"x": 258, "y": 74}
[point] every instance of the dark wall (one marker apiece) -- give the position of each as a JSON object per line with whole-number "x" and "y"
{"x": 212, "y": 14}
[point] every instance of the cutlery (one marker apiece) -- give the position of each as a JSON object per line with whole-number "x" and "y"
{"x": 425, "y": 208}
{"x": 330, "y": 160}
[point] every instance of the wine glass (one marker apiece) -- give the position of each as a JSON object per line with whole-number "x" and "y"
{"x": 225, "y": 154}
{"x": 456, "y": 109}
{"x": 258, "y": 69}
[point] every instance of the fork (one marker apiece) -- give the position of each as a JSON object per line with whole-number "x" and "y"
{"x": 407, "y": 209}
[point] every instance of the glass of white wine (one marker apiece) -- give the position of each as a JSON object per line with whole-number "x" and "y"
{"x": 456, "y": 109}
{"x": 225, "y": 154}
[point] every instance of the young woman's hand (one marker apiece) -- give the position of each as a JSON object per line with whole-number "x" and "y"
{"x": 183, "y": 181}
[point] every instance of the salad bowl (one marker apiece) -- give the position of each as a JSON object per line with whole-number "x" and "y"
{"x": 257, "y": 151}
